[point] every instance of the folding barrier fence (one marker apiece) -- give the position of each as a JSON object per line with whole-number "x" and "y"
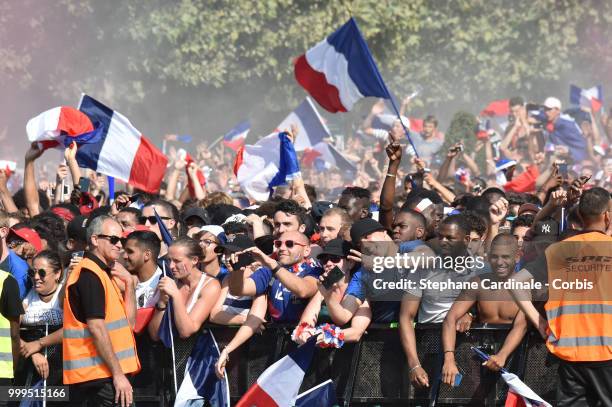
{"x": 371, "y": 372}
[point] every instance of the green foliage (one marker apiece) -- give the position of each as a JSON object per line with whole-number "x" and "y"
{"x": 462, "y": 128}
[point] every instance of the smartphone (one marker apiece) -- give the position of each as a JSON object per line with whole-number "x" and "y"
{"x": 244, "y": 260}
{"x": 78, "y": 254}
{"x": 563, "y": 170}
{"x": 84, "y": 184}
{"x": 66, "y": 190}
{"x": 332, "y": 277}
{"x": 458, "y": 378}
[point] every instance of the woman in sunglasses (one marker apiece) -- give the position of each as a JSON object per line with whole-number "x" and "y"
{"x": 327, "y": 301}
{"x": 43, "y": 306}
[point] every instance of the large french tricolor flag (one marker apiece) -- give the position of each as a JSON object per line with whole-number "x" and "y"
{"x": 51, "y": 128}
{"x": 591, "y": 98}
{"x": 270, "y": 162}
{"x": 340, "y": 70}
{"x": 310, "y": 124}
{"x": 122, "y": 151}
{"x": 278, "y": 385}
{"x": 324, "y": 156}
{"x": 235, "y": 138}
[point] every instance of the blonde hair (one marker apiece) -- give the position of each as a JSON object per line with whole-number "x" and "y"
{"x": 215, "y": 198}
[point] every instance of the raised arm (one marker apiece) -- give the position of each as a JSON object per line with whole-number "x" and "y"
{"x": 30, "y": 188}
{"x": 387, "y": 195}
{"x": 5, "y": 194}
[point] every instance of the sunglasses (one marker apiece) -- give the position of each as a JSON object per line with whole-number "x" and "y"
{"x": 334, "y": 259}
{"x": 42, "y": 273}
{"x": 14, "y": 243}
{"x": 152, "y": 219}
{"x": 207, "y": 242}
{"x": 288, "y": 244}
{"x": 112, "y": 239}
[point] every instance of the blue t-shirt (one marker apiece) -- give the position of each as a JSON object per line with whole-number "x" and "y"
{"x": 18, "y": 268}
{"x": 382, "y": 311}
{"x": 283, "y": 305}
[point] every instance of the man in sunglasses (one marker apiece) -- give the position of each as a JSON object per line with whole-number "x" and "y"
{"x": 98, "y": 324}
{"x": 167, "y": 213}
{"x": 289, "y": 277}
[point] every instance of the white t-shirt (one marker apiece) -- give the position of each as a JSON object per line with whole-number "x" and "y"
{"x": 38, "y": 312}
{"x": 147, "y": 294}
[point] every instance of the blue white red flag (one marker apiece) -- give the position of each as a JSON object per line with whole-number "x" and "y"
{"x": 591, "y": 98}
{"x": 340, "y": 70}
{"x": 519, "y": 394}
{"x": 324, "y": 156}
{"x": 322, "y": 395}
{"x": 52, "y": 127}
{"x": 200, "y": 381}
{"x": 270, "y": 162}
{"x": 278, "y": 385}
{"x": 235, "y": 138}
{"x": 121, "y": 150}
{"x": 310, "y": 124}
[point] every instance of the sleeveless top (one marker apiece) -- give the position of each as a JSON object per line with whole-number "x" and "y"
{"x": 38, "y": 312}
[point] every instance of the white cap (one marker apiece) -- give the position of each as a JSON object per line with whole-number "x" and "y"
{"x": 552, "y": 103}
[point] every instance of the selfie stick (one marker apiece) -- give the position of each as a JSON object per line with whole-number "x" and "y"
{"x": 171, "y": 337}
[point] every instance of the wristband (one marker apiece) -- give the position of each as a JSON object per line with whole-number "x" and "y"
{"x": 449, "y": 351}
{"x": 390, "y": 175}
{"x": 414, "y": 368}
{"x": 157, "y": 307}
{"x": 275, "y": 269}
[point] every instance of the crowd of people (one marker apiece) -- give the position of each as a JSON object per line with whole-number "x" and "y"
{"x": 84, "y": 263}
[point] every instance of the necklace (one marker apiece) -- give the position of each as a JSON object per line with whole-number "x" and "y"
{"x": 48, "y": 294}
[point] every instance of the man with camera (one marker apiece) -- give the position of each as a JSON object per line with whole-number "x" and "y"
{"x": 289, "y": 276}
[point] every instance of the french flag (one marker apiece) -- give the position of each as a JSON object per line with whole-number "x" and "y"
{"x": 278, "y": 385}
{"x": 235, "y": 138}
{"x": 340, "y": 70}
{"x": 519, "y": 394}
{"x": 324, "y": 156}
{"x": 496, "y": 108}
{"x": 322, "y": 395}
{"x": 50, "y": 128}
{"x": 122, "y": 151}
{"x": 270, "y": 162}
{"x": 592, "y": 97}
{"x": 310, "y": 124}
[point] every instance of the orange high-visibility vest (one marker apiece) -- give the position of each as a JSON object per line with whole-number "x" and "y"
{"x": 580, "y": 318}
{"x": 81, "y": 360}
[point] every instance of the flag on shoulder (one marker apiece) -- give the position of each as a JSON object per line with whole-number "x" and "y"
{"x": 340, "y": 70}
{"x": 278, "y": 385}
{"x": 270, "y": 162}
{"x": 591, "y": 98}
{"x": 235, "y": 138}
{"x": 200, "y": 381}
{"x": 310, "y": 124}
{"x": 322, "y": 395}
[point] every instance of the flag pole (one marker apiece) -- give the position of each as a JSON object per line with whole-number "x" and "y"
{"x": 217, "y": 140}
{"x": 44, "y": 403}
{"x": 169, "y": 310}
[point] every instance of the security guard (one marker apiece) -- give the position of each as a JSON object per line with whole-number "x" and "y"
{"x": 99, "y": 348}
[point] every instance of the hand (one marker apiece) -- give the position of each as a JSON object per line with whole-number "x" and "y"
{"x": 558, "y": 198}
{"x": 122, "y": 201}
{"x": 122, "y": 274}
{"x": 355, "y": 256}
{"x": 378, "y": 107}
{"x": 449, "y": 371}
{"x": 192, "y": 170}
{"x": 123, "y": 390}
{"x": 464, "y": 323}
{"x": 62, "y": 172}
{"x": 41, "y": 364}
{"x": 74, "y": 261}
{"x": 498, "y": 211}
{"x": 258, "y": 256}
{"x": 253, "y": 218}
{"x": 454, "y": 150}
{"x": 180, "y": 164}
{"x": 538, "y": 159}
{"x": 429, "y": 179}
{"x": 419, "y": 377}
{"x": 221, "y": 362}
{"x": 27, "y": 349}
{"x": 70, "y": 152}
{"x": 293, "y": 132}
{"x": 394, "y": 152}
{"x": 495, "y": 362}
{"x": 3, "y": 180}
{"x": 420, "y": 163}
{"x": 168, "y": 286}
{"x": 33, "y": 152}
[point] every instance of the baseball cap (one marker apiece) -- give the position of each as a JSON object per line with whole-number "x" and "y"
{"x": 336, "y": 247}
{"x": 548, "y": 228}
{"x": 239, "y": 243}
{"x": 552, "y": 103}
{"x": 29, "y": 235}
{"x": 198, "y": 212}
{"x": 528, "y": 207}
{"x": 77, "y": 228}
{"x": 215, "y": 230}
{"x": 319, "y": 208}
{"x": 87, "y": 203}
{"x": 364, "y": 227}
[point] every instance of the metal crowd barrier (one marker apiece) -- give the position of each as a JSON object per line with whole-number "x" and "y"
{"x": 371, "y": 372}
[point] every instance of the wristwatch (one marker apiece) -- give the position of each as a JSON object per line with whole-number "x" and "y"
{"x": 157, "y": 307}
{"x": 275, "y": 269}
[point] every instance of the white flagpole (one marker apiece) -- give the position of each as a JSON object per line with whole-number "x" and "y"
{"x": 45, "y": 380}
{"x": 171, "y": 339}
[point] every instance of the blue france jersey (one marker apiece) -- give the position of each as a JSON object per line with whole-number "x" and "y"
{"x": 283, "y": 305}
